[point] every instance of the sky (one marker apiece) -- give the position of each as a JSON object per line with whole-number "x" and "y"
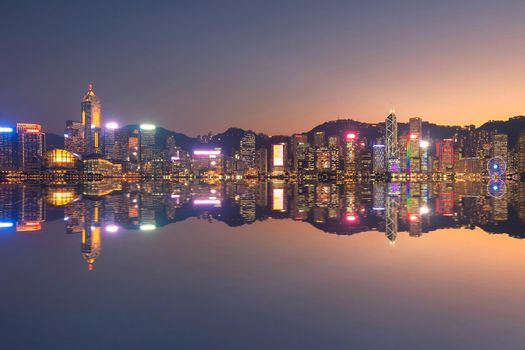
{"x": 277, "y": 67}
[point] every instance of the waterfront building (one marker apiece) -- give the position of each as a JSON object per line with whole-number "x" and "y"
{"x": 391, "y": 144}
{"x": 500, "y": 146}
{"x": 413, "y": 146}
{"x": 350, "y": 153}
{"x": 379, "y": 159}
{"x": 247, "y": 150}
{"x": 207, "y": 162}
{"x": 262, "y": 161}
{"x": 111, "y": 147}
{"x": 61, "y": 160}
{"x": 445, "y": 155}
{"x": 95, "y": 165}
{"x": 299, "y": 149}
{"x": 8, "y": 148}
{"x": 31, "y": 146}
{"x": 520, "y": 150}
{"x": 278, "y": 159}
{"x": 147, "y": 142}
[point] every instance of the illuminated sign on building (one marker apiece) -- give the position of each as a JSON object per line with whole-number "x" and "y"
{"x": 207, "y": 201}
{"x": 147, "y": 126}
{"x": 278, "y": 155}
{"x": 278, "y": 199}
{"x": 207, "y": 152}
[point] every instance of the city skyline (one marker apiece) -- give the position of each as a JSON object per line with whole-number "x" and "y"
{"x": 342, "y": 150}
{"x": 186, "y": 66}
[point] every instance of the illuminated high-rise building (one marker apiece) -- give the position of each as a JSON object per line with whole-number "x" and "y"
{"x": 207, "y": 162}
{"x": 350, "y": 153}
{"x": 7, "y": 149}
{"x": 379, "y": 159}
{"x": 247, "y": 150}
{"x": 445, "y": 155}
{"x": 319, "y": 139}
{"x": 147, "y": 142}
{"x": 74, "y": 137}
{"x": 520, "y": 150}
{"x": 299, "y": 148}
{"x": 91, "y": 109}
{"x": 413, "y": 145}
{"x": 278, "y": 159}
{"x": 391, "y": 145}
{"x": 90, "y": 245}
{"x": 334, "y": 147}
{"x": 111, "y": 148}
{"x": 31, "y": 209}
{"x": 423, "y": 145}
{"x": 31, "y": 145}
{"x": 262, "y": 161}
{"x": 322, "y": 159}
{"x": 500, "y": 146}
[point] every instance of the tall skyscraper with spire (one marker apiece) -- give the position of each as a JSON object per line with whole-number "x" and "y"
{"x": 391, "y": 145}
{"x": 90, "y": 109}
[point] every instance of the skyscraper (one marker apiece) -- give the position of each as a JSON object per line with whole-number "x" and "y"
{"x": 7, "y": 149}
{"x": 319, "y": 139}
{"x": 74, "y": 137}
{"x": 413, "y": 145}
{"x": 350, "y": 153}
{"x": 520, "y": 148}
{"x": 147, "y": 142}
{"x": 379, "y": 161}
{"x": 111, "y": 150}
{"x": 31, "y": 145}
{"x": 500, "y": 146}
{"x": 279, "y": 159}
{"x": 247, "y": 150}
{"x": 445, "y": 155}
{"x": 299, "y": 148}
{"x": 90, "y": 109}
{"x": 391, "y": 146}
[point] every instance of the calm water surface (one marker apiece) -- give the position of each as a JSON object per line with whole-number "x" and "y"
{"x": 256, "y": 266}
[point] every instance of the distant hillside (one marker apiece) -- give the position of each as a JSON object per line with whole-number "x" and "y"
{"x": 54, "y": 141}
{"x": 230, "y": 139}
{"x": 511, "y": 127}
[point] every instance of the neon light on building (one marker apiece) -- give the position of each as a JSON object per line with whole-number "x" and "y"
{"x": 278, "y": 199}
{"x": 147, "y": 126}
{"x": 207, "y": 152}
{"x": 278, "y": 155}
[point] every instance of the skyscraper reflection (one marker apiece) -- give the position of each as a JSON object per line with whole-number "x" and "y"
{"x": 93, "y": 210}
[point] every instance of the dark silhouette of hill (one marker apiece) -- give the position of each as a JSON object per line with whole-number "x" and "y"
{"x": 511, "y": 127}
{"x": 230, "y": 138}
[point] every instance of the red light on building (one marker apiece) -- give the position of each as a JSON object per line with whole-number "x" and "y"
{"x": 26, "y": 226}
{"x": 28, "y": 127}
{"x": 351, "y": 136}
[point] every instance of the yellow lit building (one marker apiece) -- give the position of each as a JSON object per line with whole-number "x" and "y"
{"x": 60, "y": 159}
{"x": 100, "y": 166}
{"x": 60, "y": 196}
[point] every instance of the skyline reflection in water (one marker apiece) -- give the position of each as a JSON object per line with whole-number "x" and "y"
{"x": 262, "y": 265}
{"x": 96, "y": 209}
